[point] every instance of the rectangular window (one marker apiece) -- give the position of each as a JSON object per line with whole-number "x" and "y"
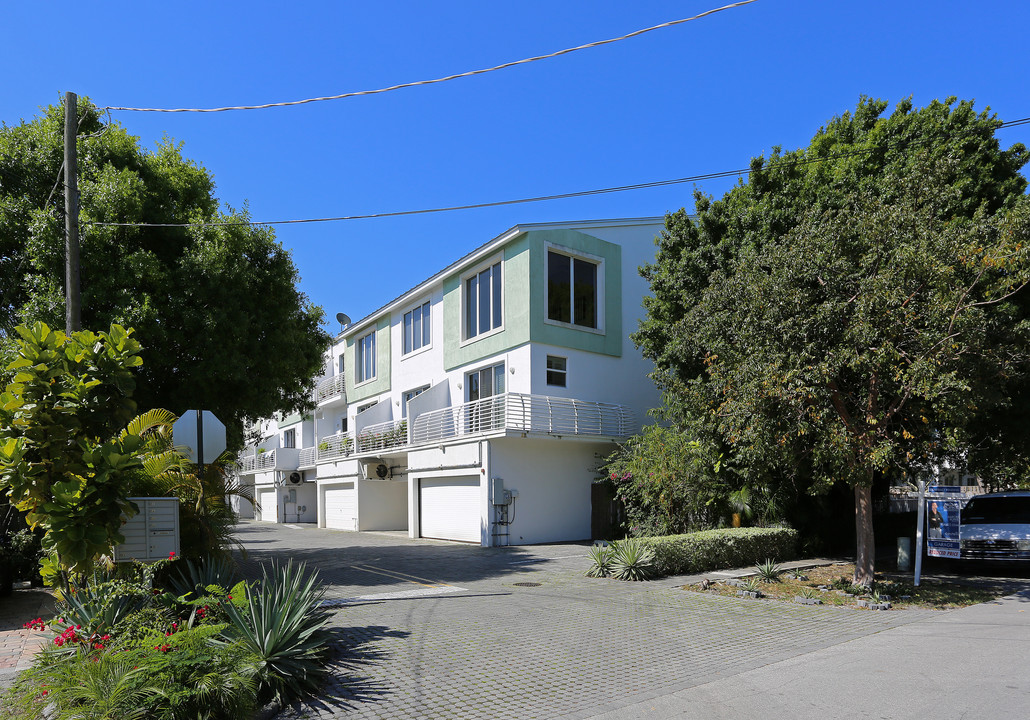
{"x": 290, "y": 438}
{"x": 483, "y": 301}
{"x": 571, "y": 290}
{"x": 365, "y": 358}
{"x": 408, "y": 396}
{"x": 366, "y": 406}
{"x": 556, "y": 370}
{"x": 416, "y": 328}
{"x": 482, "y": 385}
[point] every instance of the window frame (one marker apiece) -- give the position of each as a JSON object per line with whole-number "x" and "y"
{"x": 359, "y": 358}
{"x": 564, "y": 370}
{"x": 425, "y": 311}
{"x": 290, "y": 438}
{"x": 410, "y": 395}
{"x": 494, "y": 295}
{"x": 599, "y": 288}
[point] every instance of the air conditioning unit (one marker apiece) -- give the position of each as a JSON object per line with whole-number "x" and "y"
{"x": 295, "y": 479}
{"x": 377, "y": 470}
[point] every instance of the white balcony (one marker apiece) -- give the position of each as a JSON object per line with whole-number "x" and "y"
{"x": 278, "y": 459}
{"x": 529, "y": 414}
{"x": 331, "y": 388}
{"x": 383, "y": 436}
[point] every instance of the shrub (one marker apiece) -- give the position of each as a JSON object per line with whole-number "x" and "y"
{"x": 715, "y": 549}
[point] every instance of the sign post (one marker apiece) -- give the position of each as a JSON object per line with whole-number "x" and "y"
{"x": 203, "y": 436}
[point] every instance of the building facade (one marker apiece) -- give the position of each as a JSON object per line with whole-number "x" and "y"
{"x": 476, "y": 406}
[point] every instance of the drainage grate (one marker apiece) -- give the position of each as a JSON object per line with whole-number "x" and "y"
{"x": 526, "y": 584}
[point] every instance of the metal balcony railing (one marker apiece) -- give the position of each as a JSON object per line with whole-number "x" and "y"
{"x": 383, "y": 436}
{"x": 540, "y": 414}
{"x": 333, "y": 447}
{"x": 307, "y": 458}
{"x": 247, "y": 463}
{"x": 330, "y": 388}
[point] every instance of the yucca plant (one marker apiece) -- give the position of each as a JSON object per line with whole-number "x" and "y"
{"x": 630, "y": 560}
{"x": 282, "y": 626}
{"x": 768, "y": 571}
{"x": 600, "y": 561}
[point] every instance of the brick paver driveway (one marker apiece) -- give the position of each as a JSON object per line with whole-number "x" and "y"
{"x": 441, "y": 630}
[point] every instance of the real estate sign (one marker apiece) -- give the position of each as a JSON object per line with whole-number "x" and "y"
{"x": 942, "y": 527}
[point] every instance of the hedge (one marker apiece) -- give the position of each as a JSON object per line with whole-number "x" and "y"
{"x": 724, "y": 548}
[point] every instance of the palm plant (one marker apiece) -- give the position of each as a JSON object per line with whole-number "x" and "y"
{"x": 208, "y": 518}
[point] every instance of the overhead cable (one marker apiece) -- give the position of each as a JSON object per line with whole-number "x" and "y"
{"x": 540, "y": 198}
{"x": 441, "y": 79}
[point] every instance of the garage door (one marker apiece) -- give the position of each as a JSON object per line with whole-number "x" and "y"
{"x": 341, "y": 508}
{"x": 269, "y": 505}
{"x": 449, "y": 508}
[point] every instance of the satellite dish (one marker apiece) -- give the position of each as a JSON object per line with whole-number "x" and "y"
{"x": 343, "y": 319}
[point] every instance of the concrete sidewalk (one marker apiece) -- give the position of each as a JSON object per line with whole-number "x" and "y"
{"x": 968, "y": 663}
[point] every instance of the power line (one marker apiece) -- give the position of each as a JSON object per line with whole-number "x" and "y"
{"x": 541, "y": 198}
{"x": 441, "y": 79}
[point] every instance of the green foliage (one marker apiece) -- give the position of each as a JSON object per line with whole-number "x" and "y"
{"x": 751, "y": 584}
{"x": 768, "y": 571}
{"x": 203, "y": 300}
{"x": 809, "y": 593}
{"x": 668, "y": 483}
{"x": 600, "y": 561}
{"x": 715, "y": 549}
{"x": 855, "y": 318}
{"x": 282, "y": 626}
{"x": 60, "y": 459}
{"x": 632, "y": 560}
{"x": 192, "y": 575}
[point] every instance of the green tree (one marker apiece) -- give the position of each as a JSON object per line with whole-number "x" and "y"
{"x": 854, "y": 311}
{"x": 216, "y": 306}
{"x": 62, "y": 460}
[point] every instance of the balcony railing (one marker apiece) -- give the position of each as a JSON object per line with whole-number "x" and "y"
{"x": 307, "y": 458}
{"x": 330, "y": 388}
{"x": 333, "y": 447}
{"x": 281, "y": 459}
{"x": 539, "y": 414}
{"x": 383, "y": 436}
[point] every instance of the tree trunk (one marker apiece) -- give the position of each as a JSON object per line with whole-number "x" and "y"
{"x": 865, "y": 551}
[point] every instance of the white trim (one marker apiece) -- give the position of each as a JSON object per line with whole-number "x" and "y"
{"x": 432, "y": 314}
{"x": 359, "y": 362}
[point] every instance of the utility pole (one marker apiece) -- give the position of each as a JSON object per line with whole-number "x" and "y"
{"x": 72, "y": 297}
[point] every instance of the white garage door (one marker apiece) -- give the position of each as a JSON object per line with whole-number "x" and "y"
{"x": 269, "y": 505}
{"x": 341, "y": 508}
{"x": 449, "y": 508}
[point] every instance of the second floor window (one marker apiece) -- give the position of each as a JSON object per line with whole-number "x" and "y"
{"x": 417, "y": 329}
{"x": 365, "y": 358}
{"x": 483, "y": 301}
{"x": 290, "y": 438}
{"x": 571, "y": 290}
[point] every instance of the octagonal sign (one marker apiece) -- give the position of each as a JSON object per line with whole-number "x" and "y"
{"x": 196, "y": 424}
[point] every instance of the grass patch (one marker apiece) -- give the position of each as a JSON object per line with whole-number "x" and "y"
{"x": 832, "y": 585}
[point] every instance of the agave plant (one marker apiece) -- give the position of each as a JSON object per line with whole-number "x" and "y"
{"x": 751, "y": 584}
{"x": 282, "y": 625}
{"x": 768, "y": 571}
{"x": 809, "y": 593}
{"x": 600, "y": 561}
{"x": 798, "y": 574}
{"x": 196, "y": 575}
{"x": 631, "y": 560}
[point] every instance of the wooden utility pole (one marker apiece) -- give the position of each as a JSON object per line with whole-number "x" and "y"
{"x": 72, "y": 297}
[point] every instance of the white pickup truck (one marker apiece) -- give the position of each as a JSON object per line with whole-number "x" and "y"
{"x": 996, "y": 526}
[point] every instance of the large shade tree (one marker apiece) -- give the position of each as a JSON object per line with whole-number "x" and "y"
{"x": 855, "y": 310}
{"x": 215, "y": 306}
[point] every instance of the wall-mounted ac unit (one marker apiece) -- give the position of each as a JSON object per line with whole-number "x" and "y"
{"x": 295, "y": 478}
{"x": 376, "y": 469}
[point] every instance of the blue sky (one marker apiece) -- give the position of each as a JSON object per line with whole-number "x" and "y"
{"x": 700, "y": 97}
